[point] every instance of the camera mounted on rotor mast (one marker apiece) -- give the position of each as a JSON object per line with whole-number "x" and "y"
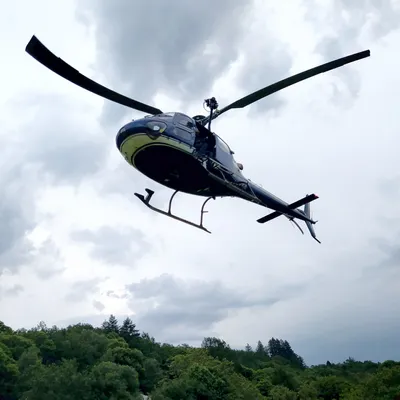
{"x": 212, "y": 104}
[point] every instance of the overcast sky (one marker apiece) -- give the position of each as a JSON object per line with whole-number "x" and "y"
{"x": 76, "y": 245}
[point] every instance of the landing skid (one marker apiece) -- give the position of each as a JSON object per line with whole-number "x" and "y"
{"x": 146, "y": 201}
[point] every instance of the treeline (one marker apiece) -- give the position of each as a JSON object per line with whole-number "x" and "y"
{"x": 118, "y": 362}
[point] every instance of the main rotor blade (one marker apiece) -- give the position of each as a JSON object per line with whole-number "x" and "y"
{"x": 41, "y": 53}
{"x": 275, "y": 87}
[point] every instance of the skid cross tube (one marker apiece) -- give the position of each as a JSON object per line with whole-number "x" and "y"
{"x": 146, "y": 201}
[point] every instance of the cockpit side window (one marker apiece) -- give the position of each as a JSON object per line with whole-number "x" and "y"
{"x": 223, "y": 145}
{"x": 165, "y": 115}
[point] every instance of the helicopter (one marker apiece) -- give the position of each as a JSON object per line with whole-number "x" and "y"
{"x": 182, "y": 153}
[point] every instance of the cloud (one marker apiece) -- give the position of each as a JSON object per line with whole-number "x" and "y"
{"x": 337, "y": 348}
{"x": 14, "y": 290}
{"x": 17, "y": 214}
{"x": 353, "y": 20}
{"x": 265, "y": 58}
{"x": 48, "y": 261}
{"x": 390, "y": 255}
{"x": 259, "y": 71}
{"x": 82, "y": 289}
{"x": 98, "y": 305}
{"x": 168, "y": 305}
{"x": 115, "y": 246}
{"x": 43, "y": 147}
{"x": 345, "y": 27}
{"x": 356, "y": 316}
{"x": 66, "y": 149}
{"x": 387, "y": 238}
{"x": 179, "y": 49}
{"x": 390, "y": 188}
{"x": 112, "y": 294}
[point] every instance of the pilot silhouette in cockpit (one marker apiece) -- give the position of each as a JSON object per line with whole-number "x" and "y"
{"x": 205, "y": 140}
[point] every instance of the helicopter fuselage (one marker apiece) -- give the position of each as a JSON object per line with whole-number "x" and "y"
{"x": 175, "y": 151}
{"x": 171, "y": 150}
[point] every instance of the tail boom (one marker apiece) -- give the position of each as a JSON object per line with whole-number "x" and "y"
{"x": 292, "y": 209}
{"x": 305, "y": 200}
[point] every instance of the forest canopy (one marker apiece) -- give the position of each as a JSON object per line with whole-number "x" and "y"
{"x": 117, "y": 361}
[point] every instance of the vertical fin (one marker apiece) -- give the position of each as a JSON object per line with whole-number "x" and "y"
{"x": 307, "y": 212}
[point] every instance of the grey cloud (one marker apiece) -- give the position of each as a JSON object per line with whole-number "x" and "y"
{"x": 351, "y": 312}
{"x": 66, "y": 149}
{"x": 192, "y": 308}
{"x": 390, "y": 188}
{"x": 114, "y": 182}
{"x": 179, "y": 48}
{"x": 338, "y": 348}
{"x": 112, "y": 294}
{"x": 379, "y": 17}
{"x": 123, "y": 246}
{"x": 81, "y": 289}
{"x": 12, "y": 291}
{"x": 98, "y": 305}
{"x": 390, "y": 255}
{"x": 365, "y": 325}
{"x": 48, "y": 261}
{"x": 387, "y": 243}
{"x": 17, "y": 216}
{"x": 349, "y": 21}
{"x": 330, "y": 48}
{"x": 267, "y": 61}
{"x": 57, "y": 151}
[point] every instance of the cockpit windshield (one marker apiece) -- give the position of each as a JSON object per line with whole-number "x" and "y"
{"x": 184, "y": 120}
{"x": 165, "y": 115}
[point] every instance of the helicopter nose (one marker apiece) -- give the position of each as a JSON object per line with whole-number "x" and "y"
{"x": 151, "y": 128}
{"x": 130, "y": 129}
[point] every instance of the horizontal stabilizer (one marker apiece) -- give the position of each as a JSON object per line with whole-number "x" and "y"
{"x": 291, "y": 215}
{"x": 305, "y": 200}
{"x": 268, "y": 217}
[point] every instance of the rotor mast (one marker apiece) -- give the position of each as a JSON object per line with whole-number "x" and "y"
{"x": 212, "y": 104}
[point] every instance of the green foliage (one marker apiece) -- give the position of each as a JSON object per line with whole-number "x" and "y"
{"x": 282, "y": 348}
{"x": 17, "y": 344}
{"x": 118, "y": 362}
{"x": 282, "y": 393}
{"x": 307, "y": 391}
{"x": 248, "y": 348}
{"x": 152, "y": 374}
{"x": 128, "y": 330}
{"x": 8, "y": 373}
{"x": 330, "y": 387}
{"x": 58, "y": 382}
{"x": 85, "y": 346}
{"x": 197, "y": 375}
{"x": 260, "y": 349}
{"x": 112, "y": 381}
{"x": 111, "y": 325}
{"x": 4, "y": 328}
